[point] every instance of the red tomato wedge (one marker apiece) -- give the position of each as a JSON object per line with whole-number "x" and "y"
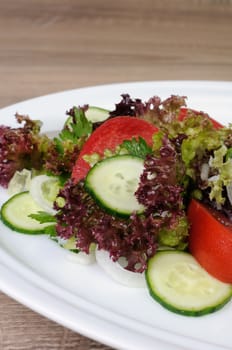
{"x": 183, "y": 113}
{"x": 108, "y": 136}
{"x": 210, "y": 241}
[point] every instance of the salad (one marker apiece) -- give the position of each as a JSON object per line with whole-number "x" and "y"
{"x": 145, "y": 189}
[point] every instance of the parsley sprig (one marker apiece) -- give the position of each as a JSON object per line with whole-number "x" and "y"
{"x": 137, "y": 147}
{"x": 43, "y": 217}
{"x": 76, "y": 127}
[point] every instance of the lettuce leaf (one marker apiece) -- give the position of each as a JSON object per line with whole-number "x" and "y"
{"x": 223, "y": 168}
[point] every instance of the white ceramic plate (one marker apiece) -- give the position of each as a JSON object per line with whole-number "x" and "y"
{"x": 35, "y": 271}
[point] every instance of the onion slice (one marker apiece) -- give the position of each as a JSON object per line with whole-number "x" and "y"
{"x": 20, "y": 182}
{"x": 81, "y": 257}
{"x": 116, "y": 271}
{"x": 39, "y": 194}
{"x": 229, "y": 192}
{"x": 204, "y": 172}
{"x": 77, "y": 257}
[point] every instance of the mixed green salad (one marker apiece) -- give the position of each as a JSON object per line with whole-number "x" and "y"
{"x": 116, "y": 187}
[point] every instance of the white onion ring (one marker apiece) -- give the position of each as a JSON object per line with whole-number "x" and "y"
{"x": 19, "y": 182}
{"x": 204, "y": 172}
{"x": 229, "y": 192}
{"x": 81, "y": 258}
{"x": 37, "y": 193}
{"x": 78, "y": 257}
{"x": 118, "y": 273}
{"x": 213, "y": 178}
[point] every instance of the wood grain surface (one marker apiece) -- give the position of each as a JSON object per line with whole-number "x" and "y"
{"x": 53, "y": 45}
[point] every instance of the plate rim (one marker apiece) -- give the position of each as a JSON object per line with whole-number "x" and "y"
{"x": 165, "y": 345}
{"x": 206, "y": 83}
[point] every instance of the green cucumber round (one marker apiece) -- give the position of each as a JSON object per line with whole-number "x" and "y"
{"x": 15, "y": 214}
{"x": 96, "y": 114}
{"x": 113, "y": 181}
{"x": 177, "y": 281}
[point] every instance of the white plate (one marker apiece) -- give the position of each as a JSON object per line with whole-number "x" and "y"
{"x": 35, "y": 271}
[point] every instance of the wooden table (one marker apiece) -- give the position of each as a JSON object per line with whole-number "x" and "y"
{"x": 53, "y": 45}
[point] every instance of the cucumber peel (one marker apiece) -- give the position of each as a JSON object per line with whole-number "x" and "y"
{"x": 96, "y": 114}
{"x": 177, "y": 281}
{"x": 112, "y": 183}
{"x": 15, "y": 214}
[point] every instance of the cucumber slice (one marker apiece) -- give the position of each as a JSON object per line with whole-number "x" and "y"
{"x": 14, "y": 214}
{"x": 93, "y": 114}
{"x": 96, "y": 114}
{"x": 113, "y": 182}
{"x": 180, "y": 284}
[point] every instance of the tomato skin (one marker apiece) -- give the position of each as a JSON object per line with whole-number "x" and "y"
{"x": 210, "y": 242}
{"x": 108, "y": 136}
{"x": 183, "y": 114}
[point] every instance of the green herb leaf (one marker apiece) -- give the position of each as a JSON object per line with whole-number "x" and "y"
{"x": 59, "y": 146}
{"x": 78, "y": 125}
{"x": 43, "y": 217}
{"x": 50, "y": 230}
{"x": 138, "y": 148}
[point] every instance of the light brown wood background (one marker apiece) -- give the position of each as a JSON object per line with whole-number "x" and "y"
{"x": 53, "y": 45}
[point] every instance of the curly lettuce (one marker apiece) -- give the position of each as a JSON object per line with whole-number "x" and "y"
{"x": 24, "y": 147}
{"x": 223, "y": 169}
{"x": 20, "y": 148}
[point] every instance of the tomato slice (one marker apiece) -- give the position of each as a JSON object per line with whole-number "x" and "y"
{"x": 210, "y": 240}
{"x": 183, "y": 114}
{"x": 108, "y": 136}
